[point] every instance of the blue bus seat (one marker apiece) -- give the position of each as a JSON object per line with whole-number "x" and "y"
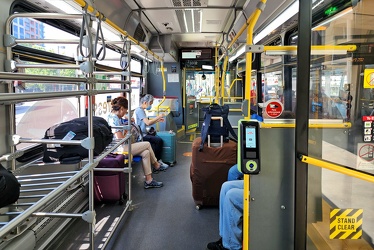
{"x": 137, "y": 158}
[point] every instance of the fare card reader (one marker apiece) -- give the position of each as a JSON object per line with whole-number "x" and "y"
{"x": 249, "y": 146}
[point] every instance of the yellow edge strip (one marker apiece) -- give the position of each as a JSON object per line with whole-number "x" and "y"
{"x": 314, "y": 47}
{"x": 90, "y": 9}
{"x": 337, "y": 168}
{"x": 292, "y": 125}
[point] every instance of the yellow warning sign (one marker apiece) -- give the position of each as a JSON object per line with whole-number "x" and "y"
{"x": 346, "y": 223}
{"x": 368, "y": 78}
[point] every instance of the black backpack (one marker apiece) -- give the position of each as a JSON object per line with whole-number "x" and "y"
{"x": 9, "y": 187}
{"x": 213, "y": 127}
{"x": 102, "y": 134}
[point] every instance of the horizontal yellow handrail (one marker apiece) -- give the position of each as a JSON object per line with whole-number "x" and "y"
{"x": 314, "y": 47}
{"x": 277, "y": 125}
{"x": 311, "y": 125}
{"x": 235, "y": 110}
{"x": 337, "y": 168}
{"x": 234, "y": 98}
{"x": 233, "y": 82}
{"x": 161, "y": 109}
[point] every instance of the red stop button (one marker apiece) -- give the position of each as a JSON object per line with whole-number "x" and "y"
{"x": 274, "y": 108}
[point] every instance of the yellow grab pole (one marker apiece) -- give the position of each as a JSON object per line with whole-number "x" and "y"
{"x": 242, "y": 29}
{"x": 163, "y": 91}
{"x": 225, "y": 62}
{"x": 216, "y": 76}
{"x": 163, "y": 78}
{"x": 247, "y": 96}
{"x": 233, "y": 82}
{"x": 337, "y": 168}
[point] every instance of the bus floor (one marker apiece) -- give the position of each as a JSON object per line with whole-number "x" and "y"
{"x": 162, "y": 218}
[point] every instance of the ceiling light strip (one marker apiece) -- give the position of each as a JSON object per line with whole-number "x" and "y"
{"x": 287, "y": 14}
{"x": 185, "y": 21}
{"x": 201, "y": 20}
{"x": 193, "y": 20}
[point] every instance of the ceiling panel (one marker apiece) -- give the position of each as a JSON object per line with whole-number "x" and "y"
{"x": 203, "y": 23}
{"x": 162, "y": 19}
{"x": 214, "y": 20}
{"x": 154, "y": 4}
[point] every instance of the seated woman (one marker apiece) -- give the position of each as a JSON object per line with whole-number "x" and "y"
{"x": 144, "y": 149}
{"x": 143, "y": 121}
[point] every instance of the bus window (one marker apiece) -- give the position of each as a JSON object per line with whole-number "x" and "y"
{"x": 35, "y": 117}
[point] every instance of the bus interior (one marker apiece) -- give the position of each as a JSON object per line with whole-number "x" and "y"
{"x": 64, "y": 59}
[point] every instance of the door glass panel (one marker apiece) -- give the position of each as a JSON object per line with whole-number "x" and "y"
{"x": 340, "y": 206}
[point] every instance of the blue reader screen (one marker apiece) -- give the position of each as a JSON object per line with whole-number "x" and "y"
{"x": 250, "y": 137}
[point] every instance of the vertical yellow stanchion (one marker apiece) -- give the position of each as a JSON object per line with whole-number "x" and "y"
{"x": 247, "y": 96}
{"x": 163, "y": 78}
{"x": 184, "y": 96}
{"x": 163, "y": 92}
{"x": 216, "y": 76}
{"x": 223, "y": 78}
{"x": 248, "y": 58}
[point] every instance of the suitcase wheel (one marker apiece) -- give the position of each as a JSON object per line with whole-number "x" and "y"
{"x": 171, "y": 164}
{"x": 122, "y": 200}
{"x": 198, "y": 207}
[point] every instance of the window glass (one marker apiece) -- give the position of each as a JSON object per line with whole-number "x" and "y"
{"x": 341, "y": 103}
{"x": 30, "y": 113}
{"x": 136, "y": 66}
{"x": 31, "y": 28}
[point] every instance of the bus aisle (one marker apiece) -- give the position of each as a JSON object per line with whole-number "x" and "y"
{"x": 162, "y": 218}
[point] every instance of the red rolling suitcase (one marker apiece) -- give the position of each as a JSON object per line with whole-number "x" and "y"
{"x": 208, "y": 171}
{"x": 109, "y": 186}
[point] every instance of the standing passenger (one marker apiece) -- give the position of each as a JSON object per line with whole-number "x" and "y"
{"x": 144, "y": 149}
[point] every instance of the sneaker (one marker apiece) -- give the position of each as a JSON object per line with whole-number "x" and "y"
{"x": 163, "y": 166}
{"x": 153, "y": 184}
{"x": 217, "y": 245}
{"x": 155, "y": 171}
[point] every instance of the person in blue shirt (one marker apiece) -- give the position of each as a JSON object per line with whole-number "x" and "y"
{"x": 143, "y": 121}
{"x": 230, "y": 212}
{"x": 144, "y": 149}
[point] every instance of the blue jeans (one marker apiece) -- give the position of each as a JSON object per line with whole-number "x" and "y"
{"x": 234, "y": 173}
{"x": 231, "y": 214}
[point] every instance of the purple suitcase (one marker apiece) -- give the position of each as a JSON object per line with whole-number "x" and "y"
{"x": 109, "y": 187}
